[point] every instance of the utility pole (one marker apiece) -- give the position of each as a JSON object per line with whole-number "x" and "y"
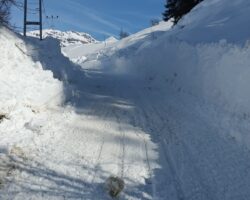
{"x": 41, "y": 19}
{"x": 25, "y": 17}
{"x": 33, "y": 23}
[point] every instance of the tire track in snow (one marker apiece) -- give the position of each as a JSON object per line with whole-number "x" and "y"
{"x": 203, "y": 188}
{"x": 97, "y": 163}
{"x": 152, "y": 129}
{"x": 138, "y": 122}
{"x": 129, "y": 171}
{"x": 95, "y": 109}
{"x": 135, "y": 120}
{"x": 122, "y": 151}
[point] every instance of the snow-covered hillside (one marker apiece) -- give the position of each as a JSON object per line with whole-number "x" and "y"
{"x": 166, "y": 110}
{"x": 66, "y": 38}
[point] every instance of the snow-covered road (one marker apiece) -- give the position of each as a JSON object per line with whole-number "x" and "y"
{"x": 163, "y": 147}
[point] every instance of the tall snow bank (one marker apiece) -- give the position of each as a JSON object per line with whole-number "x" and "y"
{"x": 213, "y": 20}
{"x": 216, "y": 73}
{"x": 23, "y": 82}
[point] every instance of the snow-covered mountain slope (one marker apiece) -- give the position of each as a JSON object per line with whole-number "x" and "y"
{"x": 66, "y": 38}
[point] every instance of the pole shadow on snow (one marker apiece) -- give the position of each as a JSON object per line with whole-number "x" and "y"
{"x": 43, "y": 182}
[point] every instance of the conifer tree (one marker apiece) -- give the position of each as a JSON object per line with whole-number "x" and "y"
{"x": 123, "y": 34}
{"x": 170, "y": 11}
{"x": 176, "y": 9}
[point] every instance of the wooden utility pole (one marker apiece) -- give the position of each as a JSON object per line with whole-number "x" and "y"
{"x": 33, "y": 23}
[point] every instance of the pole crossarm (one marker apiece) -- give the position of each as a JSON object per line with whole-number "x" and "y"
{"x": 32, "y": 23}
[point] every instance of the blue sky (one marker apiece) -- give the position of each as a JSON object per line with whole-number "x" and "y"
{"x": 100, "y": 18}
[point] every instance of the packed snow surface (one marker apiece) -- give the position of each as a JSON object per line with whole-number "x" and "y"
{"x": 166, "y": 110}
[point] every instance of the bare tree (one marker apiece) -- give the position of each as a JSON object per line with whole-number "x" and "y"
{"x": 5, "y": 6}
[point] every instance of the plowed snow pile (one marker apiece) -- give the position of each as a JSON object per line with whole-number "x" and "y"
{"x": 23, "y": 82}
{"x": 25, "y": 88}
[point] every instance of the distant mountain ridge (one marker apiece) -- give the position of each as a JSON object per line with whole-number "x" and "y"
{"x": 66, "y": 37}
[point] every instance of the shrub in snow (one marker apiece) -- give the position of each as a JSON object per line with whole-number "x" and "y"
{"x": 2, "y": 117}
{"x": 123, "y": 34}
{"x": 114, "y": 185}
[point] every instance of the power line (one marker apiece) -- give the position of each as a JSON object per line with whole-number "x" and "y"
{"x": 32, "y": 8}
{"x": 49, "y": 19}
{"x": 43, "y": 8}
{"x": 52, "y": 19}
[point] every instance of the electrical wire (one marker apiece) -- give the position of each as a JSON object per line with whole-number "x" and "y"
{"x": 31, "y": 11}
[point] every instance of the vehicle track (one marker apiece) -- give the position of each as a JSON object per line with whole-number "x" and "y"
{"x": 98, "y": 159}
{"x": 147, "y": 114}
{"x": 169, "y": 124}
